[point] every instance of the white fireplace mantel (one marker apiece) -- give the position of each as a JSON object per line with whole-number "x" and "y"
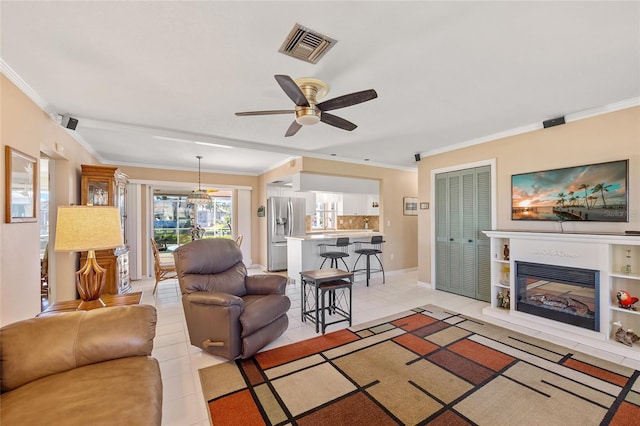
{"x": 605, "y": 252}
{"x": 606, "y": 238}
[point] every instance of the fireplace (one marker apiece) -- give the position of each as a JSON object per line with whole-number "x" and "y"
{"x": 565, "y": 294}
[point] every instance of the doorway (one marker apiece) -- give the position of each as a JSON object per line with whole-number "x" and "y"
{"x": 45, "y": 290}
{"x": 174, "y": 220}
{"x": 462, "y": 251}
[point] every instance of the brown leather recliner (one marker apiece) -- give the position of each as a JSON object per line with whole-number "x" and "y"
{"x": 228, "y": 312}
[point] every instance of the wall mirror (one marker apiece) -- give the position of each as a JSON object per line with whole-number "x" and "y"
{"x": 21, "y": 189}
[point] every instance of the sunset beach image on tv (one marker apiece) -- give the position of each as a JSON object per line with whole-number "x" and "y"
{"x": 594, "y": 192}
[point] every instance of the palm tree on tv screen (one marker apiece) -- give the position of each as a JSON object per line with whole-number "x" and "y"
{"x": 585, "y": 187}
{"x": 602, "y": 187}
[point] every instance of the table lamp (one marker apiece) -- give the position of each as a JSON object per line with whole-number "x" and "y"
{"x": 89, "y": 228}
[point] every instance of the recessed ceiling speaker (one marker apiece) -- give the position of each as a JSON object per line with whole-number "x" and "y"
{"x": 417, "y": 157}
{"x": 553, "y": 122}
{"x": 69, "y": 122}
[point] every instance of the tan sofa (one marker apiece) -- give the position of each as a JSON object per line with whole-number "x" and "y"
{"x": 80, "y": 368}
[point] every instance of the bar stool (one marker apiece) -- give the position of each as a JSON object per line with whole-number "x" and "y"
{"x": 368, "y": 249}
{"x": 335, "y": 252}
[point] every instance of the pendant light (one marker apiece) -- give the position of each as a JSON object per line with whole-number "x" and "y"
{"x": 200, "y": 196}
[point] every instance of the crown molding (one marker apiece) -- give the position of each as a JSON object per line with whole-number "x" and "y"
{"x": 25, "y": 87}
{"x": 571, "y": 117}
{"x": 42, "y": 104}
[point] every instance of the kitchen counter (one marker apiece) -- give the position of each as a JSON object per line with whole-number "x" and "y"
{"x": 303, "y": 251}
{"x": 329, "y": 235}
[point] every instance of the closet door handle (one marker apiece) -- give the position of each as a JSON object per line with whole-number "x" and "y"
{"x": 450, "y": 239}
{"x": 470, "y": 241}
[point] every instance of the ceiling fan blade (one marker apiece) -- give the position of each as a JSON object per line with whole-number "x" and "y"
{"x": 336, "y": 121}
{"x": 269, "y": 112}
{"x": 347, "y": 100}
{"x": 293, "y": 129}
{"x": 292, "y": 90}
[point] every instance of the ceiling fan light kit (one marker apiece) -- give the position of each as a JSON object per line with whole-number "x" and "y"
{"x": 305, "y": 92}
{"x": 307, "y": 116}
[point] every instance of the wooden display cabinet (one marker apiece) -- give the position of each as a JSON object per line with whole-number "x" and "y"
{"x": 107, "y": 186}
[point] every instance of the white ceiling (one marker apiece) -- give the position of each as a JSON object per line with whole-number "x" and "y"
{"x": 447, "y": 74}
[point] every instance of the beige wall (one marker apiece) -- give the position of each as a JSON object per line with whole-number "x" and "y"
{"x": 24, "y": 126}
{"x": 608, "y": 137}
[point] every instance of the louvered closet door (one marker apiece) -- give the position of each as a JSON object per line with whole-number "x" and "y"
{"x": 442, "y": 234}
{"x": 483, "y": 246}
{"x": 468, "y": 238}
{"x": 462, "y": 252}
{"x": 454, "y": 252}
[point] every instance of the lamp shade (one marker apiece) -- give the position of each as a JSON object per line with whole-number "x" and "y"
{"x": 199, "y": 197}
{"x": 84, "y": 228}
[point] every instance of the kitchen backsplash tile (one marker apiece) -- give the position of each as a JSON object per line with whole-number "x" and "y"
{"x": 358, "y": 222}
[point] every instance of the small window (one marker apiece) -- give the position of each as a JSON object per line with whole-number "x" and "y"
{"x": 324, "y": 217}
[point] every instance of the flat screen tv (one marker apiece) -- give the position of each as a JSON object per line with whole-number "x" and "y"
{"x": 593, "y": 193}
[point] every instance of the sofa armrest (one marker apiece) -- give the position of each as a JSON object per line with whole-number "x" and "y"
{"x": 266, "y": 284}
{"x": 47, "y": 345}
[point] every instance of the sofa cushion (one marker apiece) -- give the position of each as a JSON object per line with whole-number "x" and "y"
{"x": 262, "y": 310}
{"x": 125, "y": 391}
{"x": 42, "y": 346}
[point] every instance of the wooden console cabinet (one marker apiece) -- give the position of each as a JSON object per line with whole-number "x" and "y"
{"x": 107, "y": 186}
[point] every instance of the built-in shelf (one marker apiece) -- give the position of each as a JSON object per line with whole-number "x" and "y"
{"x": 626, "y": 311}
{"x": 625, "y": 276}
{"x": 607, "y": 253}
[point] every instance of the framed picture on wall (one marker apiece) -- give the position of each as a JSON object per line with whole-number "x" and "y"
{"x": 588, "y": 193}
{"x": 410, "y": 206}
{"x": 21, "y": 186}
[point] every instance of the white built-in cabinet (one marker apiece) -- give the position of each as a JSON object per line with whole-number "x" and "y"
{"x": 310, "y": 201}
{"x": 279, "y": 191}
{"x": 608, "y": 253}
{"x": 344, "y": 204}
{"x": 501, "y": 280}
{"x": 358, "y": 205}
{"x": 624, "y": 275}
{"x": 285, "y": 191}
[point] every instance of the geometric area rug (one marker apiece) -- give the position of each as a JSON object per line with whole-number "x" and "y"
{"x": 423, "y": 366}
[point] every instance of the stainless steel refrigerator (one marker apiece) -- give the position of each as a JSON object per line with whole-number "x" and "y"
{"x": 286, "y": 217}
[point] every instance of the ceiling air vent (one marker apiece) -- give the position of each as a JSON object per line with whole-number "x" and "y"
{"x": 306, "y": 45}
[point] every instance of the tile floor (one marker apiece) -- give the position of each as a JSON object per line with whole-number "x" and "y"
{"x": 183, "y": 403}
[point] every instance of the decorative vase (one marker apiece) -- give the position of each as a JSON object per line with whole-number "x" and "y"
{"x": 505, "y": 252}
{"x": 626, "y": 269}
{"x": 366, "y": 226}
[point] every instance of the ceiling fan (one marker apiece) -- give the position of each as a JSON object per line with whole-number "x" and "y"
{"x": 305, "y": 92}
